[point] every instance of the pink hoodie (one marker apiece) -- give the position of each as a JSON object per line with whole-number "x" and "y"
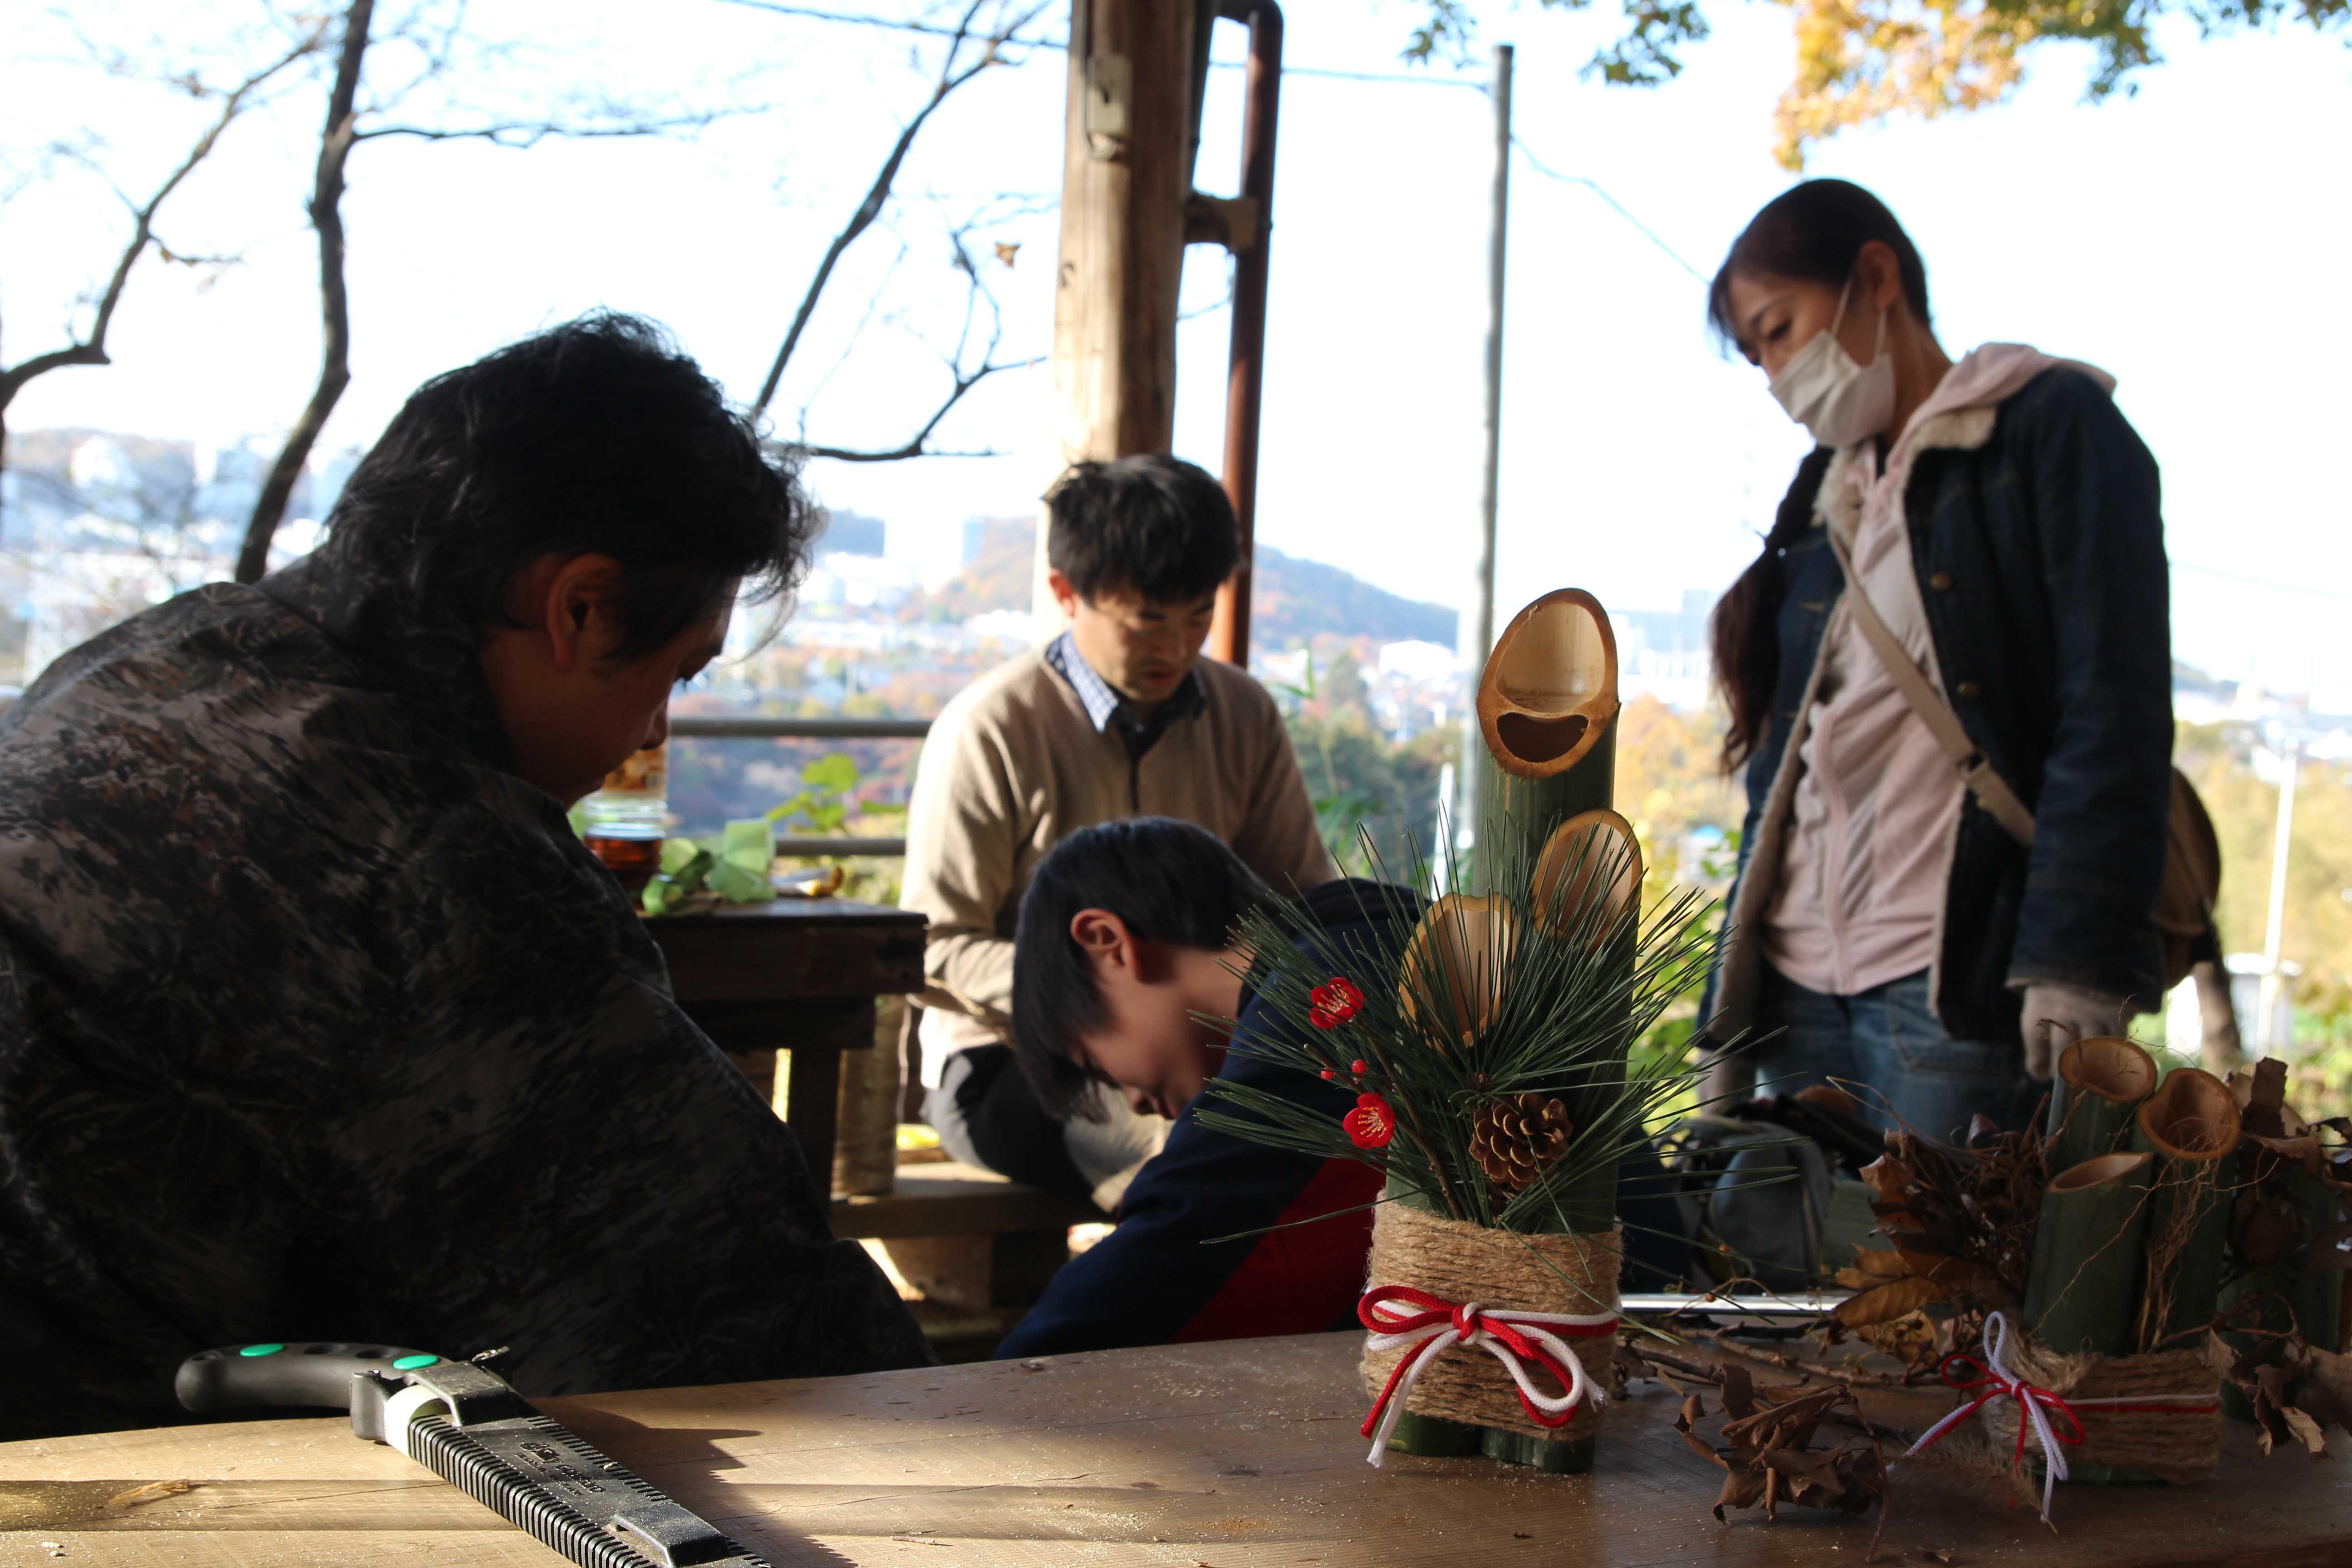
{"x": 1862, "y": 881}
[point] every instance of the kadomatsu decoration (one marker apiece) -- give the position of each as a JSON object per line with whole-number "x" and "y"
{"x": 1487, "y": 1050}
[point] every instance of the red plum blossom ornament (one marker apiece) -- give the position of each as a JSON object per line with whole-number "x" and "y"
{"x": 1372, "y": 1124}
{"x": 1332, "y": 1005}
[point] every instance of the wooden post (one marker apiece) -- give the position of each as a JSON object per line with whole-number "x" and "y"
{"x": 1129, "y": 139}
{"x": 1126, "y": 156}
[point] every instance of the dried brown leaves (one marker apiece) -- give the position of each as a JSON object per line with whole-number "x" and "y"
{"x": 2297, "y": 1390}
{"x": 1961, "y": 1222}
{"x": 1766, "y": 1448}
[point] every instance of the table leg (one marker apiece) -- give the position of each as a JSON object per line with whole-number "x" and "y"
{"x": 811, "y": 1106}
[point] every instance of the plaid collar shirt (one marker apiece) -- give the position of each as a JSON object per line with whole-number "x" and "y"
{"x": 1105, "y": 708}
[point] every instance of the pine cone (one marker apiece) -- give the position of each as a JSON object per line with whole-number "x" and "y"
{"x": 1517, "y": 1140}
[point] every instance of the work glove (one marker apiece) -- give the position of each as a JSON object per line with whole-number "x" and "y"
{"x": 2056, "y": 1016}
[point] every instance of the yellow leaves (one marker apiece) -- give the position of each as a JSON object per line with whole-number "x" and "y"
{"x": 1860, "y": 60}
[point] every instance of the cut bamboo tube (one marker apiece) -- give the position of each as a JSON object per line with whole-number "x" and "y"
{"x": 2191, "y": 1124}
{"x": 2086, "y": 1256}
{"x": 1547, "y": 711}
{"x": 2099, "y": 1085}
{"x": 1588, "y": 878}
{"x": 1457, "y": 964}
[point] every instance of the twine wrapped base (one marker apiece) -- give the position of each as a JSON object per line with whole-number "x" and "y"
{"x": 2180, "y": 1447}
{"x": 1502, "y": 1270}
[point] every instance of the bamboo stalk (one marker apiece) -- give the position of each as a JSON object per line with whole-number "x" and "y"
{"x": 2317, "y": 1295}
{"x": 2191, "y": 1124}
{"x": 2100, "y": 1083}
{"x": 2086, "y": 1256}
{"x": 1547, "y": 706}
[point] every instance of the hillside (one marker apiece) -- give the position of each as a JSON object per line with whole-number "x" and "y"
{"x": 1294, "y": 601}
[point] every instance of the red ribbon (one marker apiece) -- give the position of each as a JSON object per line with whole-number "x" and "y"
{"x": 2032, "y": 1401}
{"x": 1439, "y": 1323}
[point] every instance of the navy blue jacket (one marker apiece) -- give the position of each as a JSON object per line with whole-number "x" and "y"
{"x": 1153, "y": 1281}
{"x": 2041, "y": 561}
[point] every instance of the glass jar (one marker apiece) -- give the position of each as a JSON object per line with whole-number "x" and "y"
{"x": 625, "y": 822}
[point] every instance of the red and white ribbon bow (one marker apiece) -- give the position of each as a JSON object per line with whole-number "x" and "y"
{"x": 2034, "y": 1404}
{"x": 1512, "y": 1336}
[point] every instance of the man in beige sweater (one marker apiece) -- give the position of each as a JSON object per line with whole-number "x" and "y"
{"x": 1117, "y": 717}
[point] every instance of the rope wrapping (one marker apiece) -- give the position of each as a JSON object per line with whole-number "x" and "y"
{"x": 1486, "y": 1327}
{"x": 2160, "y": 1414}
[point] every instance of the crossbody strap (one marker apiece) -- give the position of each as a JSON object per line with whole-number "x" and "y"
{"x": 1992, "y": 791}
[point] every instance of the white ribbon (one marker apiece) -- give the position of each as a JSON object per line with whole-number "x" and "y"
{"x": 1435, "y": 1338}
{"x": 2033, "y": 1410}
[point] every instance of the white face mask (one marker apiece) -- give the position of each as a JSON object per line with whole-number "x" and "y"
{"x": 1824, "y": 391}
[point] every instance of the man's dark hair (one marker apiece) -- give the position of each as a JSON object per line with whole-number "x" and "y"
{"x": 598, "y": 437}
{"x": 1170, "y": 881}
{"x": 1159, "y": 527}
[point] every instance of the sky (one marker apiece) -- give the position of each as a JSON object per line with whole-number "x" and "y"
{"x": 2182, "y": 238}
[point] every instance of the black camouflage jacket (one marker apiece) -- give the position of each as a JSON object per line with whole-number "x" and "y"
{"x": 317, "y": 1023}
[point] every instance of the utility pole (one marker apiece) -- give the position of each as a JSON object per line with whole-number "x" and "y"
{"x": 1479, "y": 632}
{"x": 2265, "y": 1032}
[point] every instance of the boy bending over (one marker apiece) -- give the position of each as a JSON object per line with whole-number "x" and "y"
{"x": 1126, "y": 933}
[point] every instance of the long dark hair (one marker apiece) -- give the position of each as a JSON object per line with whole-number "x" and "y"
{"x": 1812, "y": 232}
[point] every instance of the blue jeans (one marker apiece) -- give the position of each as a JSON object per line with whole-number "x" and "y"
{"x": 1887, "y": 1049}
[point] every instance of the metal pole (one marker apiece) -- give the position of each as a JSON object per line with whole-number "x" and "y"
{"x": 1229, "y": 639}
{"x": 1480, "y": 639}
{"x": 2265, "y": 1033}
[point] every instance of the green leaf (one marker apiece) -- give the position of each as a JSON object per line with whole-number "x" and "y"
{"x": 834, "y": 774}
{"x": 737, "y": 886}
{"x": 677, "y": 854}
{"x": 748, "y": 844}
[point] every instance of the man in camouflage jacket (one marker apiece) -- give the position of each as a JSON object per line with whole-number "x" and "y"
{"x": 317, "y": 1021}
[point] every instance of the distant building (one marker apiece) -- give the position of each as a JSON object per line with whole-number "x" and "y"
{"x": 1665, "y": 653}
{"x": 96, "y": 525}
{"x": 852, "y": 534}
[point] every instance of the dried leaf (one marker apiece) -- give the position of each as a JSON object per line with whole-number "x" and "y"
{"x": 1882, "y": 1263}
{"x": 1884, "y": 1303}
{"x": 1768, "y": 1454}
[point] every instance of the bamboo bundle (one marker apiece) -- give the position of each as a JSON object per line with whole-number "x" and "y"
{"x": 2191, "y": 1124}
{"x": 2085, "y": 1251}
{"x": 2100, "y": 1083}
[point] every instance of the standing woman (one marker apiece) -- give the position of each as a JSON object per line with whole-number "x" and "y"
{"x": 2001, "y": 516}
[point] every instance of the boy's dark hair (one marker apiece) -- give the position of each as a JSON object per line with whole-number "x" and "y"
{"x": 1158, "y": 526}
{"x": 1170, "y": 881}
{"x": 598, "y": 437}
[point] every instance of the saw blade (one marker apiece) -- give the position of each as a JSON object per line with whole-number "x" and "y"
{"x": 548, "y": 1481}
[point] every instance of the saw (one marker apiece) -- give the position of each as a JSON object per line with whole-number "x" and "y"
{"x": 468, "y": 1426}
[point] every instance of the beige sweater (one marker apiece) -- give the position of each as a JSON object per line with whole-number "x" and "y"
{"x": 1013, "y": 766}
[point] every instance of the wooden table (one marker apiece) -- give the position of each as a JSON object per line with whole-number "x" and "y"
{"x": 799, "y": 975}
{"x": 1238, "y": 1454}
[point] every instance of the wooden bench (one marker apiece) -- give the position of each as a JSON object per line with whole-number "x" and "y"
{"x": 979, "y": 1249}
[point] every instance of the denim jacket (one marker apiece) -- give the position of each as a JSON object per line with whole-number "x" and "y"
{"x": 2036, "y": 535}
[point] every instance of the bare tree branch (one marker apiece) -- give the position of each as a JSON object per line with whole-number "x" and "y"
{"x": 952, "y": 76}
{"x": 978, "y": 298}
{"x": 522, "y": 133}
{"x": 913, "y": 446}
{"x": 335, "y": 145}
{"x": 92, "y": 349}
